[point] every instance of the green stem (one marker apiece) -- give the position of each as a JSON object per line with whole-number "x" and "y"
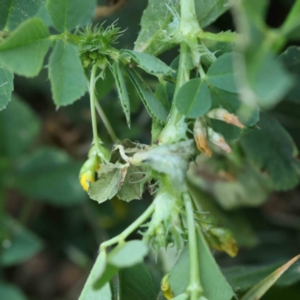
{"x": 188, "y": 23}
{"x": 93, "y": 100}
{"x": 106, "y": 122}
{"x": 229, "y": 37}
{"x": 176, "y": 127}
{"x": 194, "y": 287}
{"x": 120, "y": 238}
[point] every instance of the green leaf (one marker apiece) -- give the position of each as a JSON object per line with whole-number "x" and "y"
{"x": 14, "y": 12}
{"x": 291, "y": 26}
{"x": 221, "y": 99}
{"x": 149, "y": 63}
{"x": 19, "y": 245}
{"x": 128, "y": 254}
{"x": 221, "y": 74}
{"x": 229, "y": 132}
{"x": 208, "y": 11}
{"x": 291, "y": 61}
{"x": 47, "y": 170}
{"x": 193, "y": 98}
{"x": 271, "y": 148}
{"x": 68, "y": 82}
{"x": 123, "y": 256}
{"x": 67, "y": 14}
{"x": 19, "y": 127}
{"x": 24, "y": 50}
{"x": 161, "y": 23}
{"x": 108, "y": 184}
{"x": 213, "y": 282}
{"x": 268, "y": 80}
{"x": 88, "y": 292}
{"x": 263, "y": 286}
{"x": 164, "y": 93}
{"x": 136, "y": 283}
{"x": 122, "y": 91}
{"x": 9, "y": 291}
{"x": 133, "y": 185}
{"x": 152, "y": 104}
{"x": 6, "y": 87}
{"x": 242, "y": 278}
{"x": 157, "y": 25}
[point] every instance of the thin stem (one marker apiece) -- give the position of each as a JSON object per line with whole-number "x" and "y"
{"x": 106, "y": 122}
{"x": 175, "y": 128}
{"x": 120, "y": 238}
{"x": 96, "y": 139}
{"x": 194, "y": 287}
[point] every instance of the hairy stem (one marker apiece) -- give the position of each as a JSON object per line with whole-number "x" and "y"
{"x": 120, "y": 238}
{"x": 106, "y": 122}
{"x": 194, "y": 287}
{"x": 93, "y": 100}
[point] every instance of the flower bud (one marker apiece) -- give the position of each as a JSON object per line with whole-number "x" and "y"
{"x": 200, "y": 136}
{"x": 223, "y": 115}
{"x": 218, "y": 140}
{"x": 87, "y": 172}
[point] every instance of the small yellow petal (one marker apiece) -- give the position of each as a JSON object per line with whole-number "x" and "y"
{"x": 85, "y": 178}
{"x": 165, "y": 287}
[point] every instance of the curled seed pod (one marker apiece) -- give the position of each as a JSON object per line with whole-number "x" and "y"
{"x": 218, "y": 140}
{"x": 223, "y": 115}
{"x": 200, "y": 136}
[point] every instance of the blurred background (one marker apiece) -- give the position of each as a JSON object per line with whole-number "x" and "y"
{"x": 50, "y": 231}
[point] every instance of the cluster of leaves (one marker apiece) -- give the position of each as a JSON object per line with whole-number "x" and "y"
{"x": 239, "y": 80}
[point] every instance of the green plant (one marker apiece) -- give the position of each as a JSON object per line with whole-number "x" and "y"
{"x": 209, "y": 100}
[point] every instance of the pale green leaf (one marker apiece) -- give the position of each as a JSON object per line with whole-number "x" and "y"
{"x": 291, "y": 25}
{"x": 136, "y": 283}
{"x": 6, "y": 87}
{"x": 122, "y": 91}
{"x": 9, "y": 291}
{"x": 67, "y": 14}
{"x": 68, "y": 82}
{"x": 263, "y": 286}
{"x": 128, "y": 254}
{"x": 290, "y": 58}
{"x": 133, "y": 185}
{"x": 152, "y": 104}
{"x": 149, "y": 63}
{"x": 14, "y": 12}
{"x": 88, "y": 292}
{"x": 24, "y": 50}
{"x": 221, "y": 74}
{"x": 108, "y": 183}
{"x": 19, "y": 245}
{"x": 158, "y": 24}
{"x": 213, "y": 282}
{"x": 47, "y": 170}
{"x": 19, "y": 127}
{"x": 271, "y": 148}
{"x": 193, "y": 98}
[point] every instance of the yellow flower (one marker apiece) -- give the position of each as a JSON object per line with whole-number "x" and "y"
{"x": 165, "y": 287}
{"x": 86, "y": 178}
